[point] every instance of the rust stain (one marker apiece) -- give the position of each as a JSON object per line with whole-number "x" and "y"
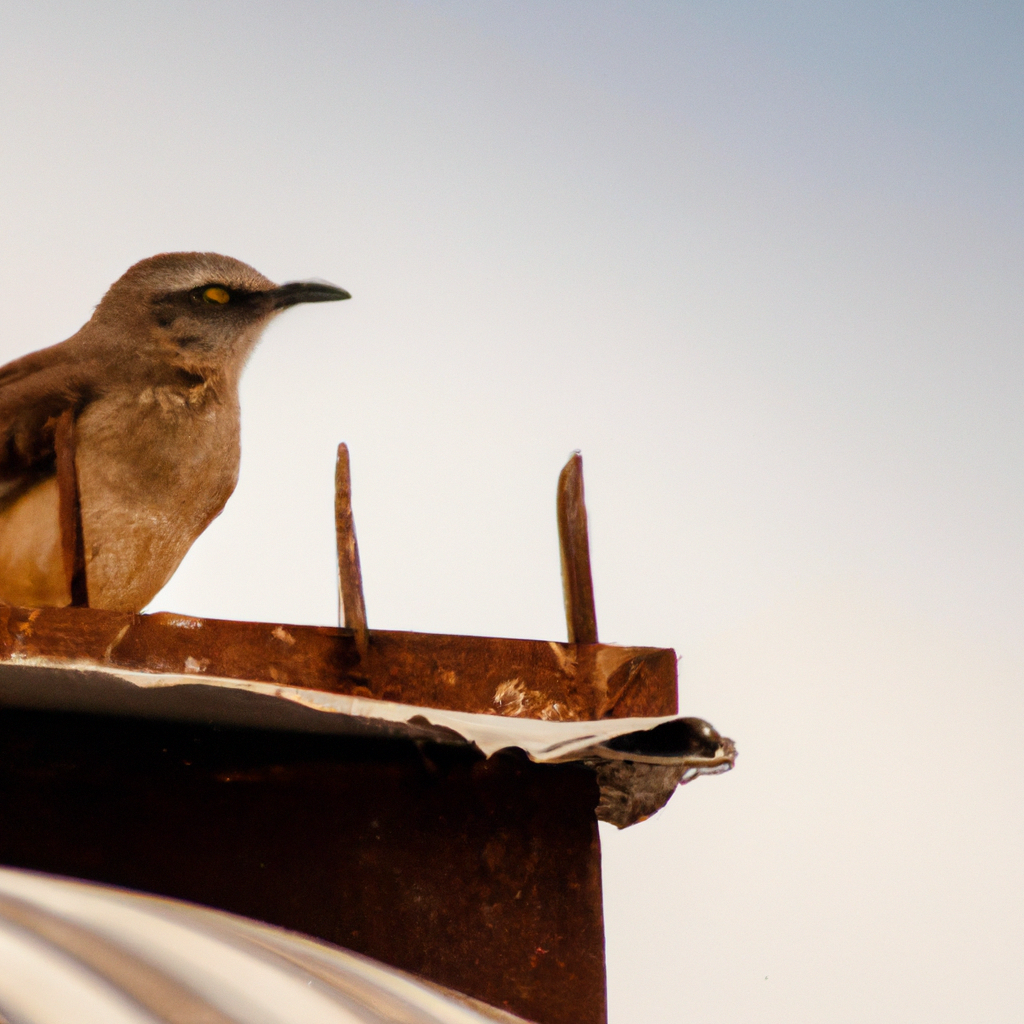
{"x": 25, "y": 628}
{"x": 565, "y": 658}
{"x": 117, "y": 639}
{"x": 514, "y": 699}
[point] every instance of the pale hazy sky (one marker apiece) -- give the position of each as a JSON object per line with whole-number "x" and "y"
{"x": 762, "y": 264}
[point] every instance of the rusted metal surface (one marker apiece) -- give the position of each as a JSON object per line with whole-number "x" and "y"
{"x": 483, "y": 875}
{"x": 70, "y": 510}
{"x": 574, "y": 543}
{"x": 350, "y": 575}
{"x": 520, "y": 678}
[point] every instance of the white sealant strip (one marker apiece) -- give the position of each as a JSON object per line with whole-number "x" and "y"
{"x": 541, "y": 740}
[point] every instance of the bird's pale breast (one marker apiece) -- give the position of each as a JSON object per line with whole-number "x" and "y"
{"x": 154, "y": 469}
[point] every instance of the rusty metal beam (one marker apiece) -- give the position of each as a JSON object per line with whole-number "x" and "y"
{"x": 577, "y": 584}
{"x": 525, "y": 678}
{"x": 350, "y": 576}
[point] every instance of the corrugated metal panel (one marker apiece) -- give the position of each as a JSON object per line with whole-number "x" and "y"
{"x": 72, "y": 951}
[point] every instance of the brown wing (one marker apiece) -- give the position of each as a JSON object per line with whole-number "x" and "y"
{"x": 41, "y": 554}
{"x": 34, "y": 391}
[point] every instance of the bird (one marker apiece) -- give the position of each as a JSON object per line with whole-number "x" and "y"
{"x": 146, "y": 394}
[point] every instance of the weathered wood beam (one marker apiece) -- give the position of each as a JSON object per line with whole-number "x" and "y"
{"x": 577, "y": 584}
{"x": 350, "y": 576}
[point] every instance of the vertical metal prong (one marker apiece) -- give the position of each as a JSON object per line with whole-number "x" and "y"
{"x": 350, "y": 576}
{"x": 577, "y": 584}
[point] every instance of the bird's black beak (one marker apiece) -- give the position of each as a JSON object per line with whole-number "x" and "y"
{"x": 294, "y": 292}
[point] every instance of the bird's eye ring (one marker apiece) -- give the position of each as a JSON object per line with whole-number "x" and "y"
{"x": 216, "y": 295}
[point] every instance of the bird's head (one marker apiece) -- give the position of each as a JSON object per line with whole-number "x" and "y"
{"x": 201, "y": 311}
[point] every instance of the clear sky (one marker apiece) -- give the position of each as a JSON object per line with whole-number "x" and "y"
{"x": 762, "y": 264}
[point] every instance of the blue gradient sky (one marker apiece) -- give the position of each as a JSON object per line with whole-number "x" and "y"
{"x": 762, "y": 264}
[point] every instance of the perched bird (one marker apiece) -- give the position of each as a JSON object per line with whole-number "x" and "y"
{"x": 148, "y": 390}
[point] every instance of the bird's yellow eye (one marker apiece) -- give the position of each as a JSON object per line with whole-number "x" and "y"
{"x": 217, "y": 295}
